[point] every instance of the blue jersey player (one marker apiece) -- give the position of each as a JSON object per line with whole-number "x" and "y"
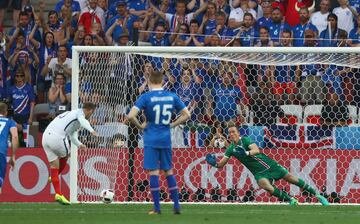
{"x": 158, "y": 106}
{"x": 6, "y": 126}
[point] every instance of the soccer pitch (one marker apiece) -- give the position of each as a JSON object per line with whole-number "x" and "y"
{"x": 38, "y": 213}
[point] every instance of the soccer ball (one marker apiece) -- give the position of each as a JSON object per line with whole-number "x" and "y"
{"x": 107, "y": 196}
{"x": 219, "y": 143}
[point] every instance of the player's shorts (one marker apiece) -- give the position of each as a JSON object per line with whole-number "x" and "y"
{"x": 2, "y": 168}
{"x": 157, "y": 158}
{"x": 285, "y": 87}
{"x": 274, "y": 173}
{"x": 55, "y": 146}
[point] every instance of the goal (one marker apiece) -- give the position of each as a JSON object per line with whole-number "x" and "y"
{"x": 299, "y": 105}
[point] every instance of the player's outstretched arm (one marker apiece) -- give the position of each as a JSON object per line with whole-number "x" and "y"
{"x": 211, "y": 159}
{"x": 184, "y": 116}
{"x": 86, "y": 124}
{"x": 14, "y": 144}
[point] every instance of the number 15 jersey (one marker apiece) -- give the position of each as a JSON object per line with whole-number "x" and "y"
{"x": 158, "y": 106}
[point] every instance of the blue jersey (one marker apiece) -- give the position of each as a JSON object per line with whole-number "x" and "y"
{"x": 226, "y": 99}
{"x": 201, "y": 39}
{"x": 164, "y": 41}
{"x": 354, "y": 36}
{"x": 329, "y": 41}
{"x": 210, "y": 27}
{"x": 264, "y": 22}
{"x": 120, "y": 29}
{"x": 138, "y": 5}
{"x": 5, "y": 125}
{"x": 275, "y": 30}
{"x": 159, "y": 106}
{"x": 247, "y": 37}
{"x": 189, "y": 93}
{"x": 21, "y": 98}
{"x": 226, "y": 33}
{"x": 299, "y": 31}
{"x": 355, "y": 4}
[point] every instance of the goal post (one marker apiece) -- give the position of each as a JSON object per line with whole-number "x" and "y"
{"x": 222, "y": 84}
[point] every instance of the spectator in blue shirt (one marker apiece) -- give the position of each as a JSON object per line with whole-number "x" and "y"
{"x": 355, "y": 4}
{"x": 305, "y": 24}
{"x": 121, "y": 22}
{"x": 330, "y": 36}
{"x": 264, "y": 38}
{"x": 23, "y": 99}
{"x": 248, "y": 32}
{"x": 193, "y": 39}
{"x": 208, "y": 25}
{"x": 267, "y": 13}
{"x": 138, "y": 8}
{"x": 354, "y": 36}
{"x": 28, "y": 60}
{"x": 74, "y": 5}
{"x": 226, "y": 98}
{"x": 160, "y": 38}
{"x": 25, "y": 27}
{"x": 277, "y": 25}
{"x": 189, "y": 92}
{"x": 224, "y": 31}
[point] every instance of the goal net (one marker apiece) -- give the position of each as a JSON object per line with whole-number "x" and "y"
{"x": 299, "y": 105}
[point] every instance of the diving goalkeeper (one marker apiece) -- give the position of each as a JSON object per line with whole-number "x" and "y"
{"x": 264, "y": 169}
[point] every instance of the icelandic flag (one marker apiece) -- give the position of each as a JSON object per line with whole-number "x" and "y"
{"x": 300, "y": 136}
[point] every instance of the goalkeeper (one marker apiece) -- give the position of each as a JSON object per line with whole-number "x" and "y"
{"x": 265, "y": 170}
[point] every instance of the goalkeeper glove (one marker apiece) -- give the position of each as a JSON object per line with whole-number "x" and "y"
{"x": 211, "y": 159}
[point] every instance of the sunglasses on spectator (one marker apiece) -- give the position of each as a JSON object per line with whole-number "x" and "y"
{"x": 19, "y": 75}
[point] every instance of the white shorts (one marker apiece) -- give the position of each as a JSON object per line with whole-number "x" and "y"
{"x": 55, "y": 146}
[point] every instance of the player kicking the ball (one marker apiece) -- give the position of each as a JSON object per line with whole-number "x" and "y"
{"x": 264, "y": 169}
{"x": 56, "y": 138}
{"x": 159, "y": 106}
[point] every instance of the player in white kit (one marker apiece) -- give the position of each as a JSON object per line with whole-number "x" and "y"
{"x": 56, "y": 138}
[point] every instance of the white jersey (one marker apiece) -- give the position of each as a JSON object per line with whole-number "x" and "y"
{"x": 345, "y": 18}
{"x": 68, "y": 123}
{"x": 319, "y": 20}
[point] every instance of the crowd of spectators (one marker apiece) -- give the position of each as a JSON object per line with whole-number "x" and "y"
{"x": 35, "y": 54}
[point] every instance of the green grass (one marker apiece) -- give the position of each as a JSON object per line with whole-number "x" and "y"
{"x": 39, "y": 213}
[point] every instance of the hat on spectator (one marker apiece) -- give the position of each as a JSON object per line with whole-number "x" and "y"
{"x": 28, "y": 8}
{"x": 279, "y": 6}
{"x": 121, "y": 2}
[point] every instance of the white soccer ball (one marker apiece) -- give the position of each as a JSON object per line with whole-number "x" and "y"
{"x": 219, "y": 143}
{"x": 107, "y": 196}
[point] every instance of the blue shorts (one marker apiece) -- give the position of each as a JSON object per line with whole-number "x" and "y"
{"x": 157, "y": 158}
{"x": 2, "y": 168}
